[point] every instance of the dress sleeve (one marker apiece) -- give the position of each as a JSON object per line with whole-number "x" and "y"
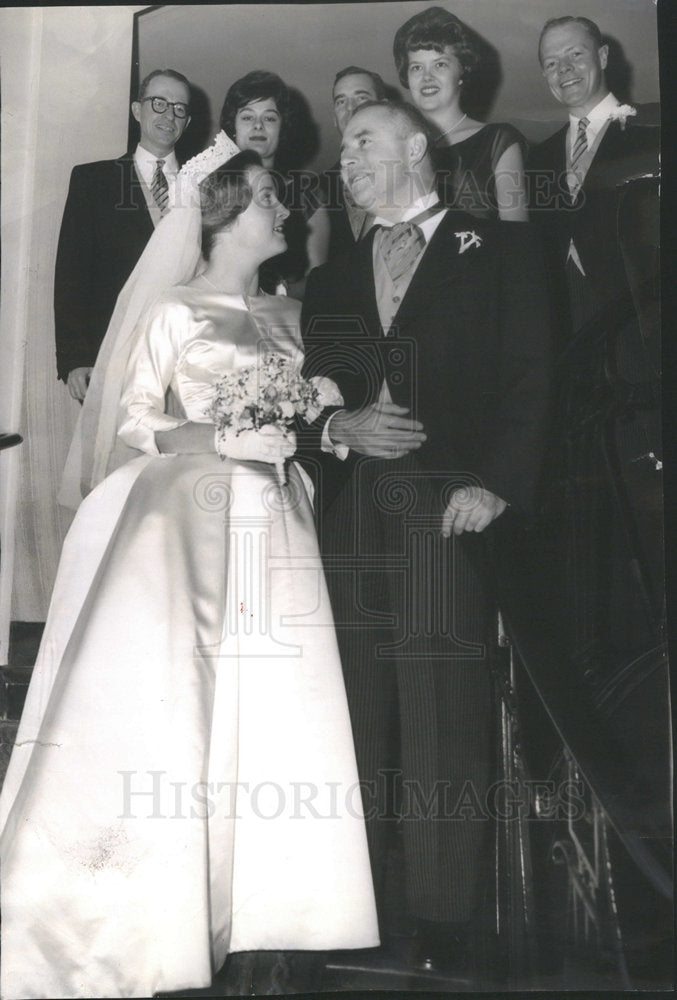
{"x": 149, "y": 373}
{"x": 504, "y": 137}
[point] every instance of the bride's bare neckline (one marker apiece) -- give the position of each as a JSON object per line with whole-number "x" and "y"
{"x": 223, "y": 291}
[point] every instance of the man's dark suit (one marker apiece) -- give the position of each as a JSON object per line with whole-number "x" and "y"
{"x": 609, "y": 335}
{"x": 468, "y": 354}
{"x": 106, "y": 225}
{"x": 606, "y": 449}
{"x": 592, "y": 220}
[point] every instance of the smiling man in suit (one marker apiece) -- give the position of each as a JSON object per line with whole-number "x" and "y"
{"x": 594, "y": 191}
{"x": 594, "y": 187}
{"x": 435, "y": 328}
{"x": 577, "y": 175}
{"x": 111, "y": 210}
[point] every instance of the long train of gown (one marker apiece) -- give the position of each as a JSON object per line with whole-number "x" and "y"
{"x": 183, "y": 783}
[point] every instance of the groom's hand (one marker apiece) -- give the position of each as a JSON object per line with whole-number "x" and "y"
{"x": 471, "y": 509}
{"x": 380, "y": 430}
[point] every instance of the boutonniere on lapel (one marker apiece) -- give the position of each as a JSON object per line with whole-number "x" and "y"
{"x": 468, "y": 239}
{"x": 621, "y": 114}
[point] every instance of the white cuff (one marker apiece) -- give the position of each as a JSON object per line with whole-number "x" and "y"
{"x": 339, "y": 450}
{"x": 141, "y": 434}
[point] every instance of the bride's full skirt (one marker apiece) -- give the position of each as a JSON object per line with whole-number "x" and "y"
{"x": 184, "y": 782}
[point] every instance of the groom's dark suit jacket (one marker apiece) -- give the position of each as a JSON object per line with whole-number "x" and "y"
{"x": 469, "y": 355}
{"x": 106, "y": 225}
{"x": 474, "y": 352}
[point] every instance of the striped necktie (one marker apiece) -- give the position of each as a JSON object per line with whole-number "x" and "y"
{"x": 581, "y": 144}
{"x": 160, "y": 188}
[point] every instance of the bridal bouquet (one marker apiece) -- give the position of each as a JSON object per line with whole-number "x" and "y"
{"x": 270, "y": 392}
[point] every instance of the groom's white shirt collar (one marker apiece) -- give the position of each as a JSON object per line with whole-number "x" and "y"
{"x": 428, "y": 226}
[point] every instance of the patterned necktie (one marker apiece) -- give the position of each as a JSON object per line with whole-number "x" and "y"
{"x": 160, "y": 188}
{"x": 401, "y": 246}
{"x": 581, "y": 144}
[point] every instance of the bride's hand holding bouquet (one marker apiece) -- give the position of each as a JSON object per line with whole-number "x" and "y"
{"x": 254, "y": 408}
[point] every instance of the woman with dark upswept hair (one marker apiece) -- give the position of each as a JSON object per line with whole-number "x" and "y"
{"x": 480, "y": 166}
{"x": 258, "y": 114}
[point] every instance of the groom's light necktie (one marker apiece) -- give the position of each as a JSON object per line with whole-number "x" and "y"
{"x": 401, "y": 246}
{"x": 160, "y": 188}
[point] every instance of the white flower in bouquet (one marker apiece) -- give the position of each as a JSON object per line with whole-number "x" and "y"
{"x": 272, "y": 392}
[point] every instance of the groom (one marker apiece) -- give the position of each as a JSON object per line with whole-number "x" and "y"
{"x": 437, "y": 335}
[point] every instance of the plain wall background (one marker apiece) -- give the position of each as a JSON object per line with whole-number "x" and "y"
{"x": 307, "y": 44}
{"x": 65, "y": 91}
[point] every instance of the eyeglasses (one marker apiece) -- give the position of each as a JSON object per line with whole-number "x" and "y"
{"x": 160, "y": 105}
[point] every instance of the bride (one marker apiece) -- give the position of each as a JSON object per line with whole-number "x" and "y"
{"x": 183, "y": 784}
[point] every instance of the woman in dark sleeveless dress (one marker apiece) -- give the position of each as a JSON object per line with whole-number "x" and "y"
{"x": 480, "y": 166}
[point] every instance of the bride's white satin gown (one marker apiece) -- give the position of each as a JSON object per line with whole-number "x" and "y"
{"x": 183, "y": 783}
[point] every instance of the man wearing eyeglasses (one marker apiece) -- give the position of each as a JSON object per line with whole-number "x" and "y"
{"x": 110, "y": 213}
